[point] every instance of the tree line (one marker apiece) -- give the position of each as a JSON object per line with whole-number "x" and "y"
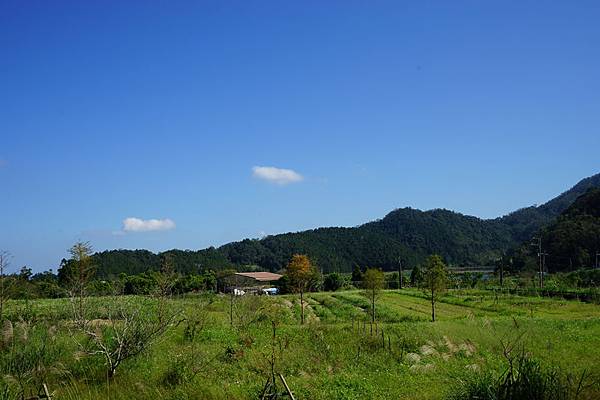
{"x": 405, "y": 233}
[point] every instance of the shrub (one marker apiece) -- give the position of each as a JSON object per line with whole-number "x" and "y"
{"x": 333, "y": 282}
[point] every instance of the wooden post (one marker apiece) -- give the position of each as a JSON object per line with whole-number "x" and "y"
{"x": 231, "y": 309}
{"x": 432, "y": 304}
{"x": 46, "y": 392}
{"x": 287, "y": 388}
{"x": 302, "y": 307}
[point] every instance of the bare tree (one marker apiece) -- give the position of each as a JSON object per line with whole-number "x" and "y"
{"x": 132, "y": 325}
{"x": 165, "y": 280}
{"x": 80, "y": 270}
{"x": 248, "y": 310}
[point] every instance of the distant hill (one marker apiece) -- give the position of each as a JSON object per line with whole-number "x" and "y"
{"x": 527, "y": 221}
{"x": 404, "y": 233}
{"x": 573, "y": 239}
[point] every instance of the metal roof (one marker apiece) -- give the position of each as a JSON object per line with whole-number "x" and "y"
{"x": 260, "y": 276}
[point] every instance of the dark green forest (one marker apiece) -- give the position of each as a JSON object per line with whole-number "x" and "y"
{"x": 569, "y": 243}
{"x": 575, "y": 235}
{"x": 407, "y": 234}
{"x": 111, "y": 263}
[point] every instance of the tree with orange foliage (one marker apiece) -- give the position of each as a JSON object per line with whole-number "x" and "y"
{"x": 300, "y": 273}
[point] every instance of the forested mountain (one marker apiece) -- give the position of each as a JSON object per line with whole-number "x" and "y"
{"x": 571, "y": 241}
{"x": 404, "y": 233}
{"x": 524, "y": 223}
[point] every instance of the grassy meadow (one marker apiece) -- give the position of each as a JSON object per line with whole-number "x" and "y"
{"x": 337, "y": 354}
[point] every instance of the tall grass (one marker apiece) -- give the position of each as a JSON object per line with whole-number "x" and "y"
{"x": 526, "y": 379}
{"x": 334, "y": 357}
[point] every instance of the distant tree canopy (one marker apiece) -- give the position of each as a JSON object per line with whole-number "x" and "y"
{"x": 114, "y": 262}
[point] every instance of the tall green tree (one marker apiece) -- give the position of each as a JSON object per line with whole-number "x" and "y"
{"x": 435, "y": 279}
{"x": 373, "y": 282}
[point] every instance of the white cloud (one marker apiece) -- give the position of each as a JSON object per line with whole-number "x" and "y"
{"x": 280, "y": 176}
{"x": 133, "y": 224}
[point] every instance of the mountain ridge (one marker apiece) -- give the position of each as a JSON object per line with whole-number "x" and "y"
{"x": 407, "y": 234}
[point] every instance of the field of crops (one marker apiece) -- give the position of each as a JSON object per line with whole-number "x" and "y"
{"x": 223, "y": 349}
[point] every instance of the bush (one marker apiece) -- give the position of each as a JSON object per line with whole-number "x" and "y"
{"x": 333, "y": 282}
{"x": 139, "y": 284}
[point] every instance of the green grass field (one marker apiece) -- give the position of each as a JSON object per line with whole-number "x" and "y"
{"x": 333, "y": 356}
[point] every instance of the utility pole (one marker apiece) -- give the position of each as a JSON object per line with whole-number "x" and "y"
{"x": 400, "y": 278}
{"x": 541, "y": 260}
{"x": 543, "y": 268}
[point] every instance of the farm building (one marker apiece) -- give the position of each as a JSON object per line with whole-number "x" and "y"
{"x": 255, "y": 282}
{"x": 259, "y": 277}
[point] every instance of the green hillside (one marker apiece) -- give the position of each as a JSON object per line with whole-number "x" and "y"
{"x": 573, "y": 239}
{"x": 404, "y": 233}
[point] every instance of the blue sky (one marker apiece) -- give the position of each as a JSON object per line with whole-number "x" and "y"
{"x": 116, "y": 110}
